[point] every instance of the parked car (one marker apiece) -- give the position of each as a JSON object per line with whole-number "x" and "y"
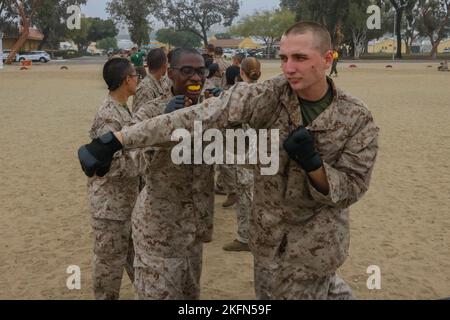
{"x": 5, "y": 54}
{"x": 40, "y": 56}
{"x": 446, "y": 50}
{"x": 228, "y": 53}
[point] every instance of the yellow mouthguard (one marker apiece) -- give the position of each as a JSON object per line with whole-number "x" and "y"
{"x": 194, "y": 88}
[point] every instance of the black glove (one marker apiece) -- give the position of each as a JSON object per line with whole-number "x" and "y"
{"x": 215, "y": 91}
{"x": 175, "y": 104}
{"x": 300, "y": 148}
{"x": 96, "y": 157}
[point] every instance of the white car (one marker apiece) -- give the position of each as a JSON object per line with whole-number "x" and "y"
{"x": 228, "y": 53}
{"x": 446, "y": 50}
{"x": 5, "y": 54}
{"x": 40, "y": 56}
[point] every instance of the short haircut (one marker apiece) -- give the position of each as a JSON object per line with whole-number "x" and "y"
{"x": 239, "y": 57}
{"x": 320, "y": 34}
{"x": 208, "y": 60}
{"x": 213, "y": 68}
{"x": 252, "y": 68}
{"x": 156, "y": 58}
{"x": 178, "y": 53}
{"x": 232, "y": 73}
{"x": 115, "y": 72}
{"x": 210, "y": 47}
{"x": 218, "y": 51}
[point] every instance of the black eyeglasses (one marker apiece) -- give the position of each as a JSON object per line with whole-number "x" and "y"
{"x": 190, "y": 71}
{"x": 136, "y": 75}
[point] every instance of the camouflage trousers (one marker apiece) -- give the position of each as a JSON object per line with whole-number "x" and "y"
{"x": 283, "y": 281}
{"x": 226, "y": 178}
{"x": 113, "y": 251}
{"x": 169, "y": 278}
{"x": 244, "y": 189}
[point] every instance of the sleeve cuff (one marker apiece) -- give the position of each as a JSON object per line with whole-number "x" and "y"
{"x": 332, "y": 198}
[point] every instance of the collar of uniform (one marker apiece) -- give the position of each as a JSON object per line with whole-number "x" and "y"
{"x": 117, "y": 104}
{"x": 325, "y": 121}
{"x": 111, "y": 99}
{"x": 157, "y": 82}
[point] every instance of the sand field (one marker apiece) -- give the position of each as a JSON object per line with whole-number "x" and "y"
{"x": 402, "y": 225}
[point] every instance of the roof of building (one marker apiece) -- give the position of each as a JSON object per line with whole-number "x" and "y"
{"x": 225, "y": 43}
{"x": 34, "y": 34}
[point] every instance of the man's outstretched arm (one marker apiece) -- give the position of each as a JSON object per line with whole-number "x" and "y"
{"x": 241, "y": 104}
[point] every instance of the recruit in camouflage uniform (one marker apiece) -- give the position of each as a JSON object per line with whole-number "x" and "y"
{"x": 244, "y": 190}
{"x": 112, "y": 199}
{"x": 223, "y": 66}
{"x": 172, "y": 219}
{"x": 149, "y": 89}
{"x": 299, "y": 237}
{"x": 226, "y": 178}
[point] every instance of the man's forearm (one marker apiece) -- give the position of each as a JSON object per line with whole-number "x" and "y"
{"x": 319, "y": 180}
{"x": 119, "y": 137}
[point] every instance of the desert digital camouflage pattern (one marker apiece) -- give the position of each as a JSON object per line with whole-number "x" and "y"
{"x": 172, "y": 219}
{"x": 292, "y": 224}
{"x": 112, "y": 199}
{"x": 149, "y": 89}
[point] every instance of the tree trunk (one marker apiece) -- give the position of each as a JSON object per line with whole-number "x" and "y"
{"x": 205, "y": 36}
{"x": 434, "y": 50}
{"x": 359, "y": 40}
{"x": 407, "y": 47}
{"x": 25, "y": 21}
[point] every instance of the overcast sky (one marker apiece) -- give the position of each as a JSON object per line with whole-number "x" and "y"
{"x": 96, "y": 8}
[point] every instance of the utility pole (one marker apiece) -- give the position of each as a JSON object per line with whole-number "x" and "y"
{"x": 1, "y": 50}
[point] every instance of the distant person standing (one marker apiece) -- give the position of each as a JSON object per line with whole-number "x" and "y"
{"x": 112, "y": 197}
{"x": 153, "y": 85}
{"x": 250, "y": 72}
{"x": 232, "y": 74}
{"x": 335, "y": 62}
{"x": 220, "y": 60}
{"x": 209, "y": 55}
{"x": 137, "y": 59}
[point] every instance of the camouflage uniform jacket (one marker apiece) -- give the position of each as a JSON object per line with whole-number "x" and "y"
{"x": 148, "y": 89}
{"x": 213, "y": 82}
{"x": 221, "y": 82}
{"x": 290, "y": 219}
{"x": 113, "y": 196}
{"x": 177, "y": 204}
{"x": 223, "y": 64}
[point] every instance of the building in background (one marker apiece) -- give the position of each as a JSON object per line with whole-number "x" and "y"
{"x": 246, "y": 43}
{"x": 34, "y": 39}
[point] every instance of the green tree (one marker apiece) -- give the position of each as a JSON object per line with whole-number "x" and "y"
{"x": 399, "y": 7}
{"x": 107, "y": 43}
{"x": 178, "y": 38}
{"x": 135, "y": 13}
{"x": 357, "y": 26}
{"x": 7, "y": 16}
{"x": 51, "y": 21}
{"x": 435, "y": 21}
{"x": 198, "y": 16}
{"x": 267, "y": 26}
{"x": 25, "y": 12}
{"x": 410, "y": 24}
{"x": 330, "y": 13}
{"x": 92, "y": 30}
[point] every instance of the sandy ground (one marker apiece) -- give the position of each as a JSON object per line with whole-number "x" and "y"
{"x": 402, "y": 225}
